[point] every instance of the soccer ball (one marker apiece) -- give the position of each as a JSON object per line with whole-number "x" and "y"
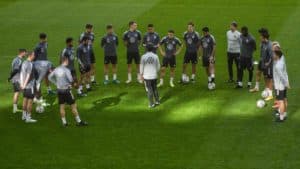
{"x": 260, "y": 103}
{"x": 265, "y": 94}
{"x": 211, "y": 86}
{"x": 40, "y": 109}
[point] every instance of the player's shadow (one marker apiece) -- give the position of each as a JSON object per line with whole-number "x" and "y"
{"x": 166, "y": 96}
{"x": 101, "y": 104}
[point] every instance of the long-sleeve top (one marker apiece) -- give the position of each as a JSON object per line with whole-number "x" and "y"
{"x": 61, "y": 77}
{"x": 150, "y": 66}
{"x": 280, "y": 76}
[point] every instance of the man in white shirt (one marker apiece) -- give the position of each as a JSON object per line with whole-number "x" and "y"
{"x": 149, "y": 69}
{"x": 233, "y": 49}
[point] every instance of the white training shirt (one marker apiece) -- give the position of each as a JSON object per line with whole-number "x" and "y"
{"x": 150, "y": 66}
{"x": 280, "y": 76}
{"x": 233, "y": 41}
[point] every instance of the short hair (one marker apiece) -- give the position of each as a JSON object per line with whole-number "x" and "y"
{"x": 131, "y": 23}
{"x": 22, "y": 50}
{"x": 69, "y": 39}
{"x": 150, "y": 25}
{"x": 150, "y": 47}
{"x": 43, "y": 35}
{"x": 278, "y": 53}
{"x": 64, "y": 58}
{"x": 264, "y": 33}
{"x": 205, "y": 29}
{"x": 234, "y": 24}
{"x": 171, "y": 31}
{"x": 191, "y": 23}
{"x": 244, "y": 29}
{"x": 109, "y": 26}
{"x": 85, "y": 38}
{"x": 88, "y": 26}
{"x": 29, "y": 53}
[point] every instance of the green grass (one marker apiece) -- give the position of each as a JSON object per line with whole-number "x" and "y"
{"x": 192, "y": 129}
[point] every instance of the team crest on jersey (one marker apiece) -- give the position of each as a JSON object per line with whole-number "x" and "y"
{"x": 148, "y": 39}
{"x": 132, "y": 40}
{"x": 189, "y": 40}
{"x": 170, "y": 47}
{"x": 247, "y": 40}
{"x": 107, "y": 40}
{"x": 205, "y": 44}
{"x": 84, "y": 50}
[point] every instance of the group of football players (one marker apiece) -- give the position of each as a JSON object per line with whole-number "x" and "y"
{"x": 27, "y": 76}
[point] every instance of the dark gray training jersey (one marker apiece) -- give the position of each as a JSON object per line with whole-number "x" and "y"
{"x": 266, "y": 53}
{"x": 207, "y": 44}
{"x": 109, "y": 43}
{"x": 192, "y": 40}
{"x": 69, "y": 53}
{"x": 61, "y": 77}
{"x": 152, "y": 38}
{"x": 248, "y": 46}
{"x": 83, "y": 55}
{"x": 91, "y": 37}
{"x": 15, "y": 69}
{"x": 170, "y": 45}
{"x": 132, "y": 39}
{"x": 27, "y": 69}
{"x": 40, "y": 51}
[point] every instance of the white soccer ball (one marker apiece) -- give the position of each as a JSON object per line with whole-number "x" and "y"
{"x": 40, "y": 109}
{"x": 265, "y": 94}
{"x": 260, "y": 103}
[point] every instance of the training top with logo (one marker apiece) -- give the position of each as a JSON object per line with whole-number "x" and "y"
{"x": 69, "y": 53}
{"x": 91, "y": 37}
{"x": 233, "y": 41}
{"x": 83, "y": 55}
{"x": 192, "y": 41}
{"x": 133, "y": 39}
{"x": 27, "y": 69}
{"x": 266, "y": 53}
{"x": 170, "y": 45}
{"x": 280, "y": 76}
{"x": 15, "y": 70}
{"x": 61, "y": 77}
{"x": 109, "y": 43}
{"x": 248, "y": 46}
{"x": 207, "y": 43}
{"x": 150, "y": 66}
{"x": 153, "y": 38}
{"x": 40, "y": 52}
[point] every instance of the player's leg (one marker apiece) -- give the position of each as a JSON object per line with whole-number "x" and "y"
{"x": 281, "y": 96}
{"x": 93, "y": 73}
{"x": 150, "y": 93}
{"x": 106, "y": 70}
{"x": 172, "y": 70}
{"x": 114, "y": 62}
{"x": 24, "y": 114}
{"x": 137, "y": 63}
{"x": 269, "y": 82}
{"x": 165, "y": 63}
{"x": 63, "y": 114}
{"x": 88, "y": 78}
{"x": 236, "y": 59}
{"x": 186, "y": 61}
{"x": 258, "y": 75}
{"x": 211, "y": 70}
{"x": 240, "y": 73}
{"x": 29, "y": 111}
{"x": 194, "y": 61}
{"x": 16, "y": 87}
{"x": 230, "y": 59}
{"x": 129, "y": 68}
{"x": 155, "y": 92}
{"x": 250, "y": 71}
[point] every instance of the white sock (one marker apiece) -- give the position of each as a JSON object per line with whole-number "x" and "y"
{"x": 64, "y": 121}
{"x": 257, "y": 85}
{"x": 281, "y": 116}
{"x": 106, "y": 77}
{"x": 138, "y": 76}
{"x": 212, "y": 75}
{"x": 270, "y": 92}
{"x": 129, "y": 76}
{"x": 24, "y": 113}
{"x": 15, "y": 106}
{"x": 171, "y": 79}
{"x": 285, "y": 114}
{"x": 77, "y": 118}
{"x": 161, "y": 81}
{"x": 240, "y": 83}
{"x": 114, "y": 76}
{"x": 209, "y": 79}
{"x": 183, "y": 76}
{"x": 249, "y": 83}
{"x": 193, "y": 76}
{"x": 87, "y": 86}
{"x": 92, "y": 78}
{"x": 28, "y": 115}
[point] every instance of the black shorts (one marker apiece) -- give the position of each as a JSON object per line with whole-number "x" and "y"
{"x": 110, "y": 59}
{"x": 65, "y": 96}
{"x": 28, "y": 93}
{"x": 246, "y": 63}
{"x": 206, "y": 62}
{"x": 74, "y": 74}
{"x": 190, "y": 57}
{"x": 169, "y": 60}
{"x": 133, "y": 56}
{"x": 16, "y": 87}
{"x": 281, "y": 94}
{"x": 268, "y": 72}
{"x": 84, "y": 69}
{"x": 92, "y": 58}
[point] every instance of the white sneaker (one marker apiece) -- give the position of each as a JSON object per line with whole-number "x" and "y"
{"x": 15, "y": 110}
{"x": 23, "y": 117}
{"x": 172, "y": 84}
{"x": 140, "y": 81}
{"x": 160, "y": 84}
{"x": 128, "y": 81}
{"x": 30, "y": 120}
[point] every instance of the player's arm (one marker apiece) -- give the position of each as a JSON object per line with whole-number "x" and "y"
{"x": 52, "y": 78}
{"x": 157, "y": 64}
{"x": 125, "y": 39}
{"x": 80, "y": 57}
{"x": 117, "y": 41}
{"x": 269, "y": 57}
{"x": 27, "y": 76}
{"x": 69, "y": 77}
{"x": 144, "y": 40}
{"x": 161, "y": 43}
{"x": 139, "y": 37}
{"x": 214, "y": 48}
{"x": 15, "y": 69}
{"x": 142, "y": 67}
{"x": 102, "y": 44}
{"x": 180, "y": 47}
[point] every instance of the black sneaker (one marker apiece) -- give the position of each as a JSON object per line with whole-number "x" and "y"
{"x": 94, "y": 83}
{"x": 82, "y": 123}
{"x": 248, "y": 86}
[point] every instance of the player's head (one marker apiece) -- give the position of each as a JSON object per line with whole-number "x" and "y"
{"x": 89, "y": 28}
{"x": 22, "y": 52}
{"x": 190, "y": 26}
{"x": 150, "y": 28}
{"x": 149, "y": 47}
{"x": 69, "y": 41}
{"x": 205, "y": 31}
{"x": 277, "y": 54}
{"x": 233, "y": 26}
{"x": 171, "y": 33}
{"x": 244, "y": 31}
{"x": 64, "y": 60}
{"x": 43, "y": 37}
{"x": 132, "y": 25}
{"x": 276, "y": 46}
{"x": 109, "y": 29}
{"x": 85, "y": 40}
{"x": 264, "y": 34}
{"x": 30, "y": 55}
